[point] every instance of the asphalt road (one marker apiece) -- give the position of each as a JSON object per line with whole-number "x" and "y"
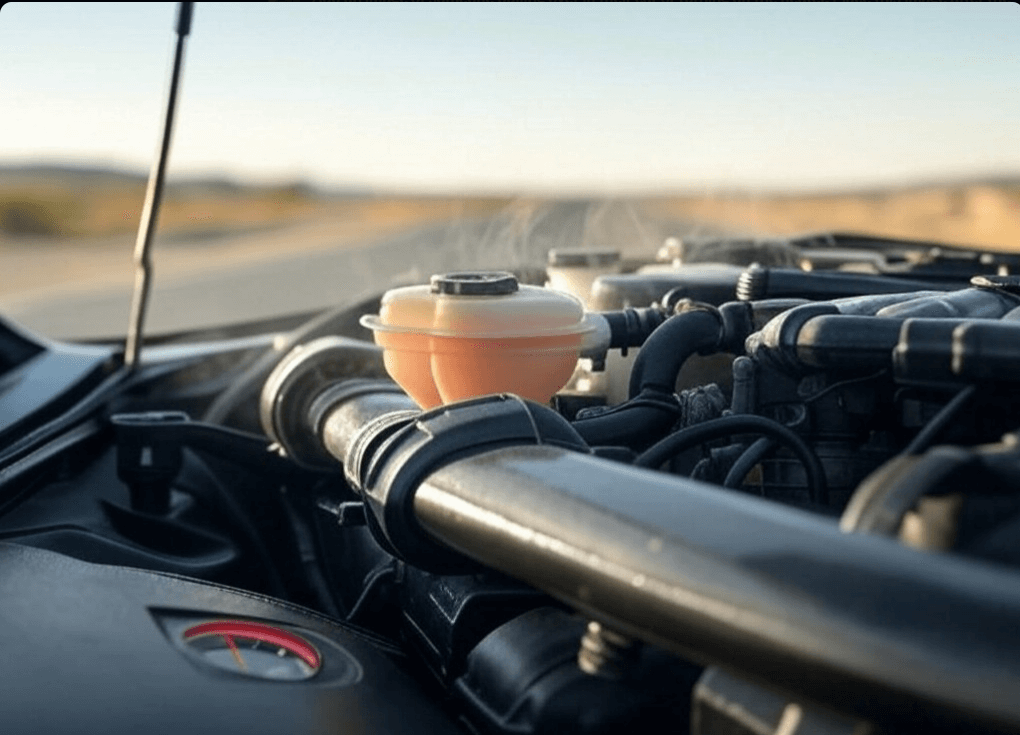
{"x": 244, "y": 288}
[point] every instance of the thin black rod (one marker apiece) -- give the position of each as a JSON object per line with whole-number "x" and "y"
{"x": 153, "y": 197}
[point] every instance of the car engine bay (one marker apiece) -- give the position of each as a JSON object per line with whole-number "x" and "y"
{"x": 778, "y": 494}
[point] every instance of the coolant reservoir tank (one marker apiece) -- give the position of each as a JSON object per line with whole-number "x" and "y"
{"x": 472, "y": 334}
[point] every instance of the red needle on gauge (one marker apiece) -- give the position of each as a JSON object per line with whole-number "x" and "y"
{"x": 229, "y": 639}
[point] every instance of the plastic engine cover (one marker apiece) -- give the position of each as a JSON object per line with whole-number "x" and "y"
{"x": 94, "y": 648}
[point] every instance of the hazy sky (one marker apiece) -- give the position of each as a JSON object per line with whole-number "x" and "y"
{"x": 567, "y": 97}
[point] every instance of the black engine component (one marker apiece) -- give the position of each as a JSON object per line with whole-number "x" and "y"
{"x": 445, "y": 617}
{"x": 80, "y": 632}
{"x": 523, "y": 678}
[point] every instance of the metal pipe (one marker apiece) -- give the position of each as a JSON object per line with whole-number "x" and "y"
{"x": 858, "y": 622}
{"x": 153, "y": 196}
{"x": 298, "y": 395}
{"x": 347, "y": 415}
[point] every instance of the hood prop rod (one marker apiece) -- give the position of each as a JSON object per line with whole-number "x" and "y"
{"x": 153, "y": 195}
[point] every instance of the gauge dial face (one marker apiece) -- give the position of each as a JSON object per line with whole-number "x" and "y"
{"x": 254, "y": 649}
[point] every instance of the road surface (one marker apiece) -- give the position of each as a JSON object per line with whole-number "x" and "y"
{"x": 309, "y": 267}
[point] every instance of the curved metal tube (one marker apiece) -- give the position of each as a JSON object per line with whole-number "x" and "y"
{"x": 861, "y": 623}
{"x": 858, "y": 622}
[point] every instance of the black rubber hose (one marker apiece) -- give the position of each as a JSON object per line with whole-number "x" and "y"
{"x": 933, "y": 428}
{"x": 635, "y": 424}
{"x": 667, "y": 349}
{"x": 746, "y": 461}
{"x": 631, "y": 327}
{"x": 692, "y": 436}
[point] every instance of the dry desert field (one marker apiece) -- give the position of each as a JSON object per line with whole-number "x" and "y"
{"x": 57, "y": 234}
{"x": 980, "y": 215}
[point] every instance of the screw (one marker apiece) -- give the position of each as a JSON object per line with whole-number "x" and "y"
{"x": 606, "y": 653}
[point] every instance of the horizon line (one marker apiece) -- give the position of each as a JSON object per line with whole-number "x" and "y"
{"x": 694, "y": 189}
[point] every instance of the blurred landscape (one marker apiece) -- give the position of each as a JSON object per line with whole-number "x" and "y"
{"x": 62, "y": 203}
{"x": 227, "y": 252}
{"x": 66, "y": 229}
{"x": 979, "y": 213}
{"x": 65, "y": 203}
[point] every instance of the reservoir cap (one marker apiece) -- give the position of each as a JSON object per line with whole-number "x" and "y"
{"x": 491, "y": 283}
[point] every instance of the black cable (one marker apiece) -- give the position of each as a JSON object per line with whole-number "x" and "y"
{"x": 692, "y": 436}
{"x": 933, "y": 428}
{"x": 841, "y": 384}
{"x": 383, "y": 573}
{"x": 222, "y": 499}
{"x": 746, "y": 461}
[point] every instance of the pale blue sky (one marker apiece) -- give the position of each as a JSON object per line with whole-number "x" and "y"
{"x": 551, "y": 97}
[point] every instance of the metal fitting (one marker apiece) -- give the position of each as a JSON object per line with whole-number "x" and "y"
{"x": 606, "y": 653}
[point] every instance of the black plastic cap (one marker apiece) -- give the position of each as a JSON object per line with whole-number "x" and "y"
{"x": 184, "y": 11}
{"x": 485, "y": 283}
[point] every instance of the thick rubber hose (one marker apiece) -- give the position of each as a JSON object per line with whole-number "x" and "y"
{"x": 635, "y": 424}
{"x": 667, "y": 349}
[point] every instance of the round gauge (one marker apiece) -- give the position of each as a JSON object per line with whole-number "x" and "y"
{"x": 254, "y": 649}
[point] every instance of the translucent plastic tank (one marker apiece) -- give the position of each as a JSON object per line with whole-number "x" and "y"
{"x": 472, "y": 334}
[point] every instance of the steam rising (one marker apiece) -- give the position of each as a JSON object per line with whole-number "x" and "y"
{"x": 520, "y": 237}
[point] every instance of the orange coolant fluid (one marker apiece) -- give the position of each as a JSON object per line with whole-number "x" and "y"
{"x": 472, "y": 334}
